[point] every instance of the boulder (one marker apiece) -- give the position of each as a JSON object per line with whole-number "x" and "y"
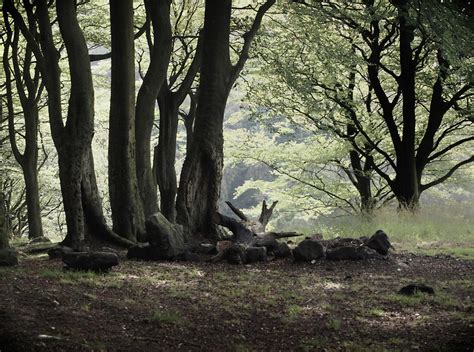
{"x": 223, "y": 245}
{"x": 268, "y": 242}
{"x": 59, "y": 252}
{"x": 255, "y": 254}
{"x": 90, "y": 261}
{"x": 308, "y": 250}
{"x": 8, "y": 257}
{"x": 168, "y": 237}
{"x": 236, "y": 254}
{"x": 379, "y": 242}
{"x": 145, "y": 252}
{"x": 413, "y": 289}
{"x": 351, "y": 253}
{"x": 283, "y": 251}
{"x": 206, "y": 248}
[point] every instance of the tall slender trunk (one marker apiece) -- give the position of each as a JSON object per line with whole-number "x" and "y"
{"x": 407, "y": 190}
{"x": 202, "y": 170}
{"x": 4, "y": 233}
{"x": 28, "y": 89}
{"x": 166, "y": 154}
{"x": 127, "y": 210}
{"x": 159, "y": 14}
{"x": 35, "y": 227}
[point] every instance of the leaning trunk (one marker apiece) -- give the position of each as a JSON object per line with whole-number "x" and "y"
{"x": 202, "y": 170}
{"x": 127, "y": 211}
{"x": 159, "y": 13}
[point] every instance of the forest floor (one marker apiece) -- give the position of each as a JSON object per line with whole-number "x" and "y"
{"x": 275, "y": 306}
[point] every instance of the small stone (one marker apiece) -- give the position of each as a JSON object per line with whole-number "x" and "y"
{"x": 8, "y": 257}
{"x": 412, "y": 289}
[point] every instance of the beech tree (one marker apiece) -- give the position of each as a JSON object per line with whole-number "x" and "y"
{"x": 404, "y": 107}
{"x": 127, "y": 210}
{"x": 201, "y": 175}
{"x": 72, "y": 136}
{"x": 158, "y": 13}
{"x": 29, "y": 86}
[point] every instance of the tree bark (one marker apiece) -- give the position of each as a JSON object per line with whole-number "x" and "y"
{"x": 4, "y": 232}
{"x": 127, "y": 211}
{"x": 165, "y": 156}
{"x": 202, "y": 170}
{"x": 28, "y": 88}
{"x": 159, "y": 14}
{"x": 406, "y": 181}
{"x": 78, "y": 131}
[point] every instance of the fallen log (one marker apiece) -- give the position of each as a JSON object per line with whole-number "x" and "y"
{"x": 249, "y": 242}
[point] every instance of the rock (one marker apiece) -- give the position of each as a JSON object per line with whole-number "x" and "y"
{"x": 379, "y": 241}
{"x": 90, "y": 261}
{"x": 342, "y": 242}
{"x": 351, "y": 253}
{"x": 59, "y": 252}
{"x": 255, "y": 254}
{"x": 169, "y": 238}
{"x": 109, "y": 250}
{"x": 283, "y": 251}
{"x": 206, "y": 248}
{"x": 412, "y": 289}
{"x": 308, "y": 250}
{"x": 236, "y": 254}
{"x": 145, "y": 252}
{"x": 42, "y": 239}
{"x": 223, "y": 245}
{"x": 8, "y": 257}
{"x": 268, "y": 242}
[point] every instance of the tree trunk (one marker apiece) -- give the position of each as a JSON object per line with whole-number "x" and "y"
{"x": 78, "y": 131}
{"x": 127, "y": 211}
{"x": 4, "y": 232}
{"x": 159, "y": 13}
{"x": 406, "y": 181}
{"x": 202, "y": 170}
{"x": 165, "y": 154}
{"x": 28, "y": 90}
{"x": 96, "y": 227}
{"x": 30, "y": 174}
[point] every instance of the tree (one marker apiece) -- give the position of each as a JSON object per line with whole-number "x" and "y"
{"x": 176, "y": 87}
{"x": 202, "y": 170}
{"x": 127, "y": 211}
{"x": 415, "y": 98}
{"x": 29, "y": 88}
{"x": 72, "y": 137}
{"x": 4, "y": 233}
{"x": 158, "y": 13}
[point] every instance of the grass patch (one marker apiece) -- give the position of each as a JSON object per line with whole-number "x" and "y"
{"x": 430, "y": 227}
{"x": 88, "y": 278}
{"x": 334, "y": 324}
{"x": 166, "y": 317}
{"x": 458, "y": 252}
{"x": 376, "y": 312}
{"x": 439, "y": 299}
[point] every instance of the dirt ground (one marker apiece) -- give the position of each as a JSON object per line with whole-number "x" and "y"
{"x": 275, "y": 306}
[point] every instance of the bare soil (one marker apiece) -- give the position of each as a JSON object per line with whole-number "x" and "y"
{"x": 275, "y": 306}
